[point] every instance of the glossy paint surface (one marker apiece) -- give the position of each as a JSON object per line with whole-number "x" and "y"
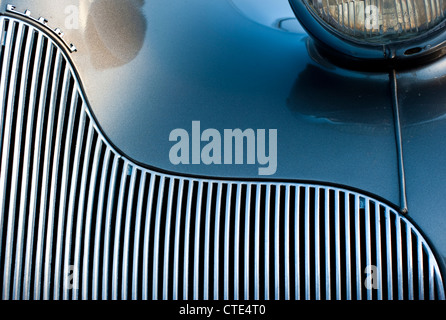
{"x": 423, "y": 116}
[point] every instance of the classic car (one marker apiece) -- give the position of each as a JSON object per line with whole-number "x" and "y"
{"x": 215, "y": 150}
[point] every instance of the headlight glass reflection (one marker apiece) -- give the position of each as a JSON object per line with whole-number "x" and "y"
{"x": 380, "y": 21}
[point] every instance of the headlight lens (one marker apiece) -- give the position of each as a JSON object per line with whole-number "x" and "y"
{"x": 380, "y": 21}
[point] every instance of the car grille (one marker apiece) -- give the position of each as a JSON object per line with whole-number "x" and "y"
{"x": 79, "y": 220}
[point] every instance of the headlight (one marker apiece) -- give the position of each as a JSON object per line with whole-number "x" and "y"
{"x": 375, "y": 29}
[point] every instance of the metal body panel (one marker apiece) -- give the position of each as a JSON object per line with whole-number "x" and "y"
{"x": 423, "y": 116}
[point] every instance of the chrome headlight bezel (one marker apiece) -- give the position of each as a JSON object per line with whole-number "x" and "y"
{"x": 427, "y": 45}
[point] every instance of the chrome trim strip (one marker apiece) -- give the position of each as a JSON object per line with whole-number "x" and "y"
{"x": 247, "y": 241}
{"x": 145, "y": 274}
{"x": 368, "y": 242}
{"x": 196, "y": 271}
{"x": 186, "y": 243}
{"x": 136, "y": 238}
{"x": 64, "y": 193}
{"x": 267, "y": 238}
{"x": 25, "y": 166}
{"x": 217, "y": 242}
{"x": 277, "y": 245}
{"x": 287, "y": 241}
{"x": 358, "y": 248}
{"x": 5, "y": 161}
{"x": 226, "y": 242}
{"x": 237, "y": 241}
{"x": 378, "y": 251}
{"x": 43, "y": 22}
{"x": 159, "y": 205}
{"x": 317, "y": 244}
{"x": 107, "y": 227}
{"x": 166, "y": 242}
{"x": 327, "y": 246}
{"x": 338, "y": 245}
{"x": 257, "y": 245}
{"x": 207, "y": 242}
{"x": 177, "y": 239}
{"x": 126, "y": 249}
{"x": 98, "y": 232}
{"x": 307, "y": 245}
{"x": 348, "y": 275}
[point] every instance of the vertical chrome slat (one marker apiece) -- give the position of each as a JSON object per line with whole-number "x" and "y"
{"x": 4, "y": 75}
{"x": 15, "y": 185}
{"x": 308, "y": 288}
{"x": 6, "y": 147}
{"x": 257, "y": 245}
{"x": 71, "y": 207}
{"x": 439, "y": 281}
{"x": 217, "y": 242}
{"x": 348, "y": 253}
{"x": 317, "y": 248}
{"x": 88, "y": 220}
{"x": 409, "y": 262}
{"x": 207, "y": 242}
{"x": 277, "y": 230}
{"x": 296, "y": 243}
{"x": 186, "y": 242}
{"x": 368, "y": 242}
{"x": 420, "y": 270}
{"x": 226, "y": 243}
{"x": 327, "y": 246}
{"x": 287, "y": 228}
{"x": 167, "y": 240}
{"x": 237, "y": 241}
{"x": 389, "y": 256}
{"x": 431, "y": 278}
{"x": 45, "y": 185}
{"x": 176, "y": 257}
{"x": 196, "y": 285}
{"x": 156, "y": 246}
{"x": 358, "y": 247}
{"x": 267, "y": 238}
{"x": 146, "y": 249}
{"x": 34, "y": 180}
{"x": 247, "y": 245}
{"x": 338, "y": 244}
{"x": 80, "y": 211}
{"x": 4, "y": 112}
{"x": 399, "y": 254}
{"x": 24, "y": 204}
{"x": 98, "y": 230}
{"x": 64, "y": 193}
{"x": 107, "y": 227}
{"x": 54, "y": 183}
{"x": 378, "y": 251}
{"x": 137, "y": 234}
{"x": 126, "y": 248}
{"x": 116, "y": 243}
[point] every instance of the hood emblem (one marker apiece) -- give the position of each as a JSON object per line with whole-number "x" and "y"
{"x": 44, "y": 22}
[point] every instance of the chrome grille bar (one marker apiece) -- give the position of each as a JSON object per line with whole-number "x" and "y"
{"x": 78, "y": 220}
